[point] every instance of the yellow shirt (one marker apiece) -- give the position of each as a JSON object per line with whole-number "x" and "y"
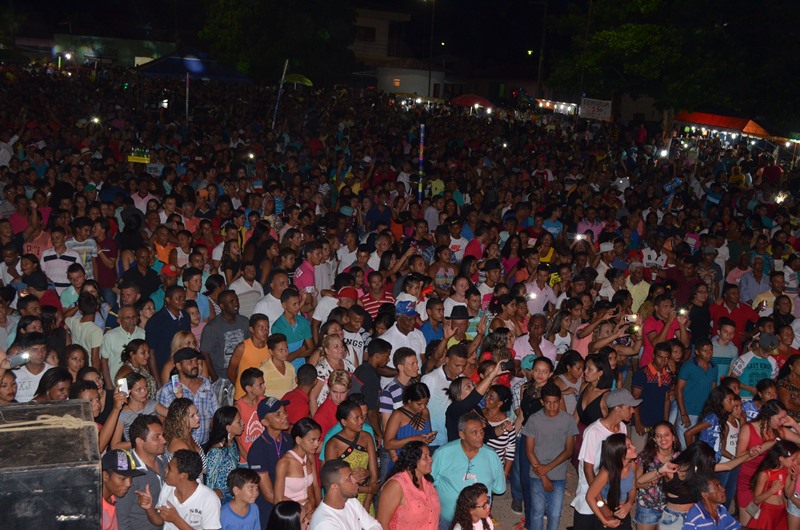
{"x": 277, "y": 384}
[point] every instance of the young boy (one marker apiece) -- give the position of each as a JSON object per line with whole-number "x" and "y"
{"x": 755, "y": 365}
{"x": 355, "y": 337}
{"x": 295, "y": 328}
{"x": 298, "y": 398}
{"x": 279, "y": 375}
{"x": 367, "y": 380}
{"x": 725, "y": 351}
{"x": 183, "y": 503}
{"x": 118, "y": 471}
{"x": 69, "y": 296}
{"x": 549, "y": 439}
{"x": 241, "y": 513}
{"x": 252, "y": 379}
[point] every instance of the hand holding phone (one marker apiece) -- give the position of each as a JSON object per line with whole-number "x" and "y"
{"x": 123, "y": 386}
{"x": 20, "y": 359}
{"x": 176, "y": 383}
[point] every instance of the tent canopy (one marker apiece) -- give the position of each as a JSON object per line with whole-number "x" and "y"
{"x": 716, "y": 121}
{"x": 193, "y": 62}
{"x": 298, "y": 79}
{"x": 468, "y": 100}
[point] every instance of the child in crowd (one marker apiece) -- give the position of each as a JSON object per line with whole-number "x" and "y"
{"x": 241, "y": 513}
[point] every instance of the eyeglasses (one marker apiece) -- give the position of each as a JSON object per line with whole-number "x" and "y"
{"x": 485, "y": 506}
{"x": 469, "y": 471}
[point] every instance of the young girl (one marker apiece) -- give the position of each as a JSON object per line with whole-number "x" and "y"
{"x": 498, "y": 346}
{"x": 774, "y": 482}
{"x": 568, "y": 376}
{"x": 730, "y": 439}
{"x": 222, "y": 452}
{"x": 521, "y": 314}
{"x": 611, "y": 495}
{"x": 473, "y": 509}
{"x": 355, "y": 446}
{"x": 713, "y": 419}
{"x": 231, "y": 262}
{"x": 195, "y": 320}
{"x": 294, "y": 473}
{"x": 652, "y": 464}
{"x": 766, "y": 389}
{"x": 74, "y": 359}
{"x": 504, "y": 309}
{"x": 559, "y": 333}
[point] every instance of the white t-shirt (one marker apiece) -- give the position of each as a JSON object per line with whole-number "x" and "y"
{"x": 27, "y": 383}
{"x": 325, "y": 305}
{"x": 352, "y": 517}
{"x": 346, "y": 258}
{"x": 270, "y": 306}
{"x": 478, "y": 525}
{"x": 200, "y": 511}
{"x": 593, "y": 438}
{"x": 216, "y": 252}
{"x": 414, "y": 340}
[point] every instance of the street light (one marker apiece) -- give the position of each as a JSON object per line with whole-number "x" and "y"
{"x": 430, "y": 47}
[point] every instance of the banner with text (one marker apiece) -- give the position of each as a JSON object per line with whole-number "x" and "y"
{"x": 595, "y": 109}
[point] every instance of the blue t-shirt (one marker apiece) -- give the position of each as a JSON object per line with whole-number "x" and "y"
{"x": 232, "y": 521}
{"x": 295, "y": 335}
{"x": 699, "y": 383}
{"x": 712, "y": 434}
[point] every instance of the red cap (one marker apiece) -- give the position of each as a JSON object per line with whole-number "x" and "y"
{"x": 170, "y": 271}
{"x": 347, "y": 292}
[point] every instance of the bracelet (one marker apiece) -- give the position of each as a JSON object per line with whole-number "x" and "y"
{"x": 658, "y": 472}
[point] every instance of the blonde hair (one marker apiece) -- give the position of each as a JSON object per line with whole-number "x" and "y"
{"x": 179, "y": 341}
{"x": 339, "y": 377}
{"x": 326, "y": 341}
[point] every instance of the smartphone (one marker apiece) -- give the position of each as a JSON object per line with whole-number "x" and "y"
{"x": 508, "y": 365}
{"x": 20, "y": 359}
{"x": 631, "y": 318}
{"x": 176, "y": 383}
{"x": 123, "y": 386}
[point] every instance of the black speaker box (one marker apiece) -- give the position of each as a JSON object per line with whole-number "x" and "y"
{"x": 49, "y": 477}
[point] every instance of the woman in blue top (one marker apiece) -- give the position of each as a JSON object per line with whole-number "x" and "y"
{"x": 411, "y": 422}
{"x": 611, "y": 494}
{"x": 714, "y": 420}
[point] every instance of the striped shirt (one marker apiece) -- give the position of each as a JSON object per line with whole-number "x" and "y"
{"x": 86, "y": 250}
{"x": 391, "y": 397}
{"x": 372, "y": 305}
{"x": 55, "y": 266}
{"x": 698, "y": 518}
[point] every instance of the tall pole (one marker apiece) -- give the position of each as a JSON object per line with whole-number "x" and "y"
{"x": 421, "y": 160}
{"x": 430, "y": 47}
{"x": 540, "y": 73}
{"x": 280, "y": 91}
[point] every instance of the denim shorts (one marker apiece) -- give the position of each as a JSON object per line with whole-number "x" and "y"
{"x": 647, "y": 515}
{"x": 791, "y": 509}
{"x": 671, "y": 520}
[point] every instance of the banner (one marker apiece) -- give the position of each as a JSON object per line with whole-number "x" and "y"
{"x": 595, "y": 109}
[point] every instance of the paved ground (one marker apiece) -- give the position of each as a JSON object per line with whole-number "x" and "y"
{"x": 501, "y": 508}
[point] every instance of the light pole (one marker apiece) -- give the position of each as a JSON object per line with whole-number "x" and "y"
{"x": 540, "y": 69}
{"x": 430, "y": 47}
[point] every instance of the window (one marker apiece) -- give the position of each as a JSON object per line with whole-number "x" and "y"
{"x": 396, "y": 81}
{"x": 365, "y": 34}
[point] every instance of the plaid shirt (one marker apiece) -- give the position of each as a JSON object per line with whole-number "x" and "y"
{"x": 205, "y": 400}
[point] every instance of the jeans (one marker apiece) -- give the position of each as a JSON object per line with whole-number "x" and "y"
{"x": 109, "y": 296}
{"x": 682, "y": 430}
{"x": 673, "y": 412}
{"x": 646, "y": 515}
{"x": 515, "y": 476}
{"x": 671, "y": 520}
{"x": 521, "y": 458}
{"x": 545, "y": 503}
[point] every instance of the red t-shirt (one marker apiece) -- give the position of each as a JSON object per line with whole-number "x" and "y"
{"x": 652, "y": 324}
{"x": 298, "y": 406}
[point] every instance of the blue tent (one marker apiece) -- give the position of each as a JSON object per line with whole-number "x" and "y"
{"x": 190, "y": 63}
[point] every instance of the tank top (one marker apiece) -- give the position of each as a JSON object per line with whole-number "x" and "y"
{"x": 252, "y": 357}
{"x": 183, "y": 257}
{"x": 571, "y": 400}
{"x": 562, "y": 344}
{"x": 296, "y": 488}
{"x": 731, "y": 440}
{"x": 625, "y": 487}
{"x": 593, "y": 410}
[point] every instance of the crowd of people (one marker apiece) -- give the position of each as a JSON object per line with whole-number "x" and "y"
{"x": 281, "y": 328}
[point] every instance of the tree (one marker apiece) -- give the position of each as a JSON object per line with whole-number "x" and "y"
{"x": 259, "y": 35}
{"x": 716, "y": 55}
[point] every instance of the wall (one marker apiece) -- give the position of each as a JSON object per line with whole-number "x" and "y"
{"x": 411, "y": 81}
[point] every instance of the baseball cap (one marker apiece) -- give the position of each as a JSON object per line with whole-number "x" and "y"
{"x": 406, "y": 308}
{"x": 122, "y": 463}
{"x": 768, "y": 341}
{"x": 621, "y": 396}
{"x": 270, "y": 406}
{"x": 492, "y": 265}
{"x": 347, "y": 292}
{"x": 170, "y": 271}
{"x": 186, "y": 354}
{"x": 606, "y": 247}
{"x": 527, "y": 362}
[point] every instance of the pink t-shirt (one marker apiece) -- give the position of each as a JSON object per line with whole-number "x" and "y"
{"x": 653, "y": 324}
{"x": 304, "y": 278}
